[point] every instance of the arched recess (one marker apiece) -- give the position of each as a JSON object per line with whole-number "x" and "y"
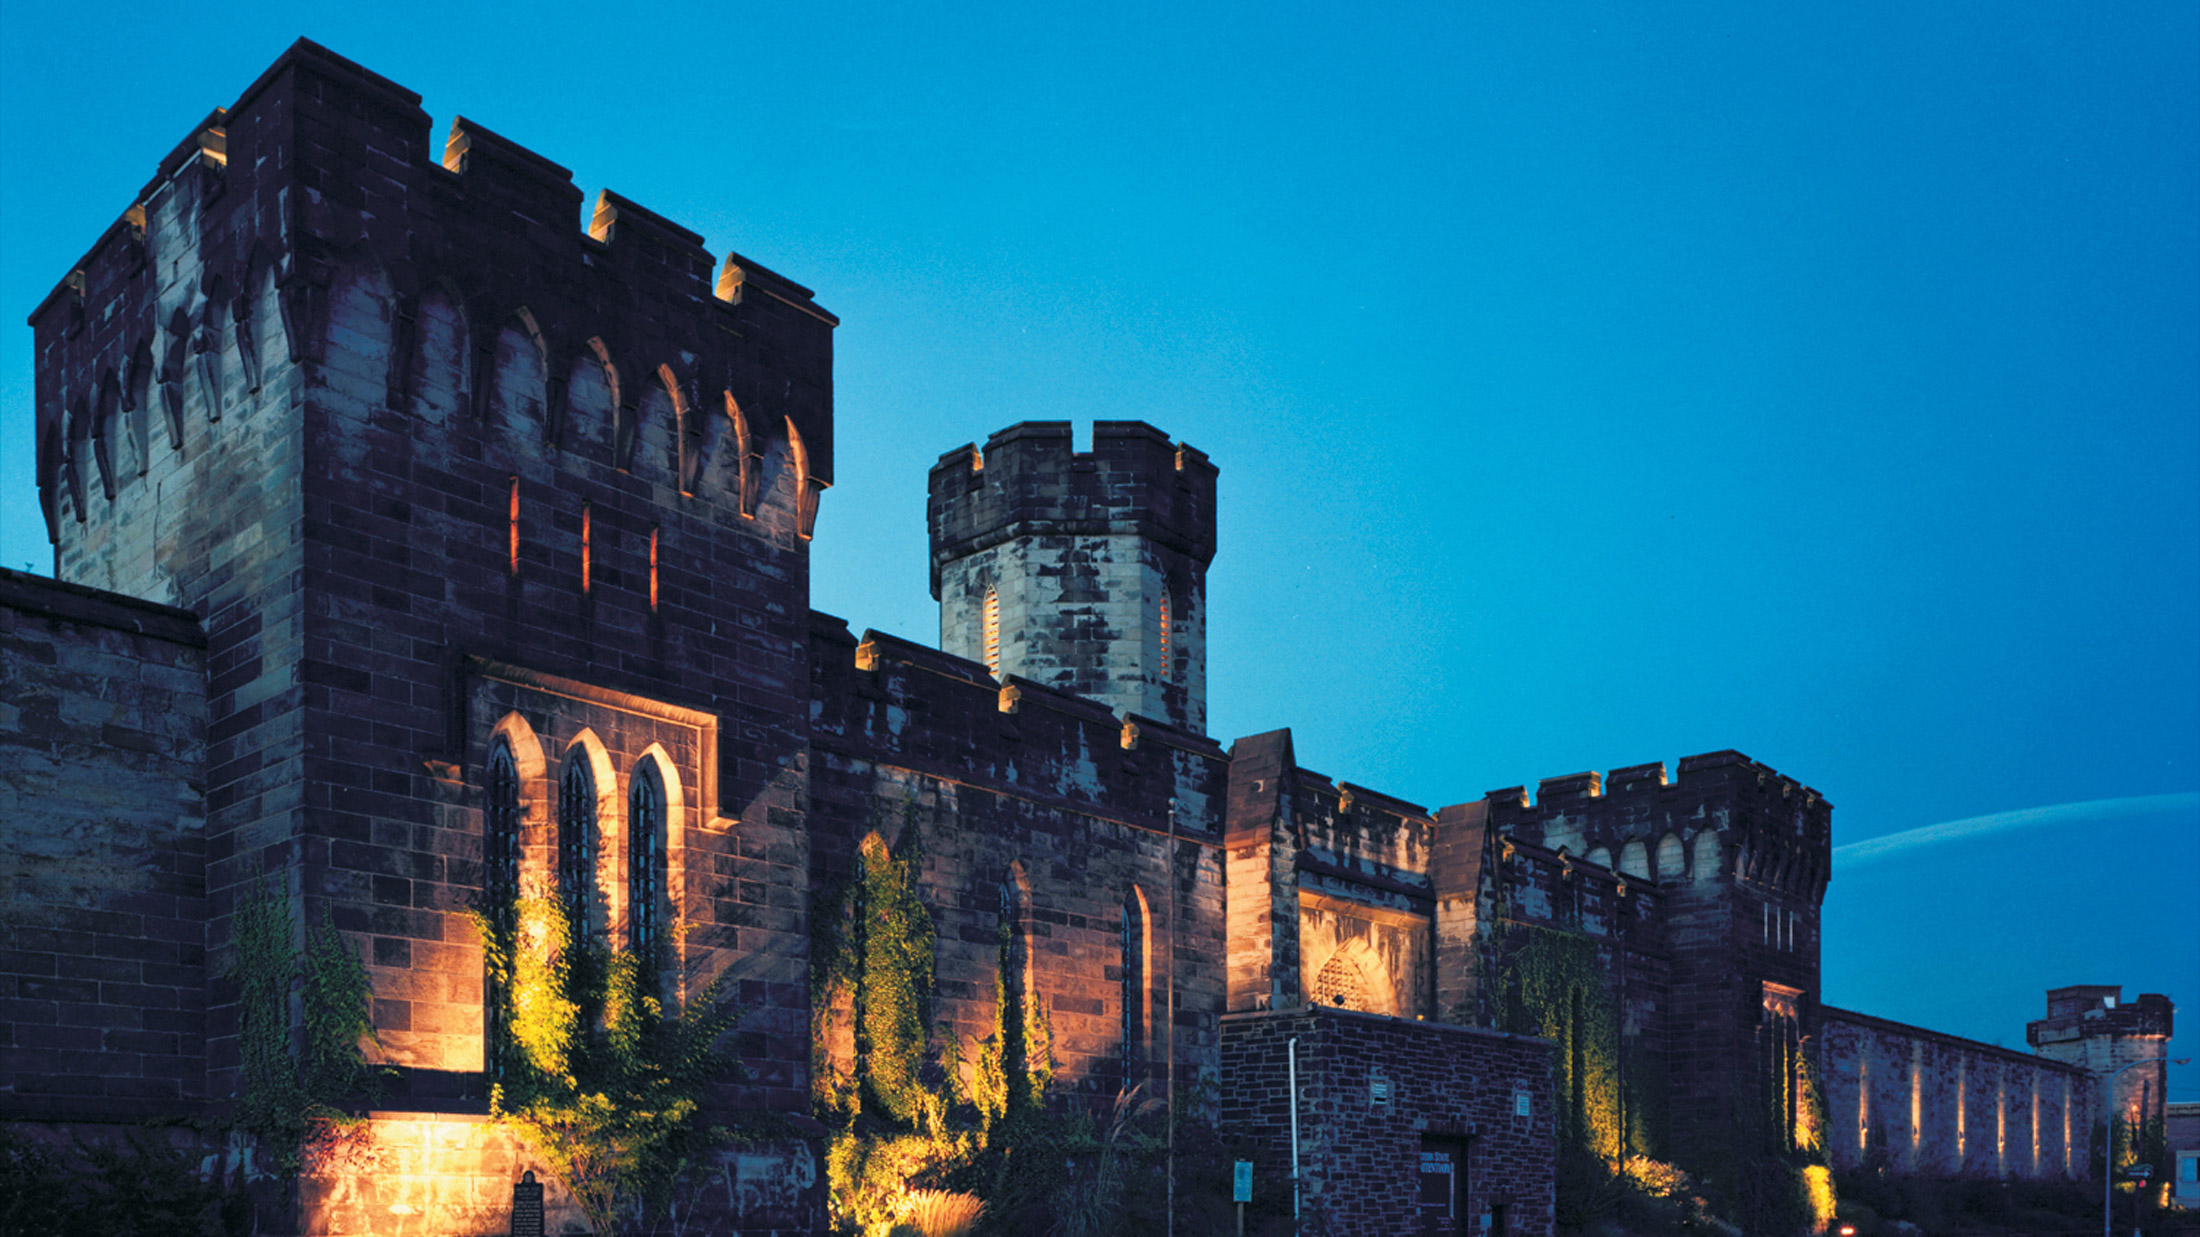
{"x": 1136, "y": 1000}
{"x": 588, "y": 814}
{"x": 806, "y": 487}
{"x": 687, "y": 431}
{"x": 1634, "y": 859}
{"x": 355, "y": 345}
{"x": 722, "y": 454}
{"x": 172, "y": 363}
{"x": 1598, "y": 856}
{"x": 73, "y": 459}
{"x": 652, "y": 839}
{"x": 519, "y": 380}
{"x": 106, "y": 413}
{"x": 50, "y": 484}
{"x": 1704, "y": 859}
{"x": 1672, "y": 858}
{"x": 653, "y": 451}
{"x": 137, "y": 406}
{"x": 1354, "y": 977}
{"x": 207, "y": 344}
{"x": 537, "y": 835}
{"x": 442, "y": 380}
{"x": 592, "y": 404}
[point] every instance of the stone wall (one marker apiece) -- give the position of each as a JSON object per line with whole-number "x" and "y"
{"x": 103, "y": 960}
{"x": 1933, "y": 1104}
{"x": 1022, "y": 797}
{"x": 1741, "y": 856}
{"x": 1373, "y": 1093}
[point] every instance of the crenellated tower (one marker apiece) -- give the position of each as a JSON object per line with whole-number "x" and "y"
{"x": 1740, "y": 857}
{"x": 1085, "y": 571}
{"x": 425, "y": 448}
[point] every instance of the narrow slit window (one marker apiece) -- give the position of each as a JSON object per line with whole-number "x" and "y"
{"x": 993, "y": 632}
{"x": 1134, "y": 990}
{"x": 588, "y": 555}
{"x": 1164, "y": 635}
{"x": 511, "y": 521}
{"x": 653, "y": 566}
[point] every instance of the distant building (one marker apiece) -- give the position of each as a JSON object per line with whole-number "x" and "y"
{"x": 414, "y": 548}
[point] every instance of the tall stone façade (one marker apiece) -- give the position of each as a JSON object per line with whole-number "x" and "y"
{"x": 416, "y": 544}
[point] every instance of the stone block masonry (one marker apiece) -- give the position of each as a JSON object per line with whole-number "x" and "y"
{"x": 1937, "y": 1105}
{"x": 102, "y": 955}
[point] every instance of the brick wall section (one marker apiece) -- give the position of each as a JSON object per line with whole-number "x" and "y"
{"x": 1081, "y": 550}
{"x": 907, "y": 738}
{"x": 1939, "y": 1105}
{"x": 102, "y": 749}
{"x": 1359, "y": 1155}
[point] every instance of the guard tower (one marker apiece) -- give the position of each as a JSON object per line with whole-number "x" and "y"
{"x": 1084, "y": 571}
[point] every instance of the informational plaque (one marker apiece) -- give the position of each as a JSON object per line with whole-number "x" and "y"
{"x": 527, "y": 1206}
{"x": 1241, "y": 1183}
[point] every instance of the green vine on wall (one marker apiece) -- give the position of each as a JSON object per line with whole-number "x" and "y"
{"x": 288, "y": 1101}
{"x": 1552, "y": 984}
{"x": 597, "y": 1078}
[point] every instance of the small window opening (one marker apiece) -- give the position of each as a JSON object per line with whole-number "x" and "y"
{"x": 588, "y": 566}
{"x": 1165, "y": 635}
{"x": 511, "y": 519}
{"x": 993, "y": 632}
{"x": 653, "y": 566}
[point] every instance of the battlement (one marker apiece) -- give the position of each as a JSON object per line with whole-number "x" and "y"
{"x": 315, "y": 195}
{"x": 1643, "y": 821}
{"x": 2092, "y": 1011}
{"x": 1029, "y": 480}
{"x": 896, "y": 703}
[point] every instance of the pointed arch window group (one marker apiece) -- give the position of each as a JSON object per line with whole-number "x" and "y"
{"x": 583, "y": 819}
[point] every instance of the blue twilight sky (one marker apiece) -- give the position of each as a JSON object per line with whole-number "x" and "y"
{"x": 1591, "y": 383}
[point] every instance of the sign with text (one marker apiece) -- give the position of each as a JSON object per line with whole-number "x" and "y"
{"x": 1241, "y": 1183}
{"x": 527, "y": 1206}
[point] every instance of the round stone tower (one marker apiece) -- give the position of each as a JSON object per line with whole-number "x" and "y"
{"x": 1084, "y": 571}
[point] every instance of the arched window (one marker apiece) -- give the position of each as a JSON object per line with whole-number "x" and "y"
{"x": 500, "y": 831}
{"x": 993, "y": 632}
{"x": 1134, "y": 989}
{"x": 645, "y": 862}
{"x": 577, "y": 839}
{"x": 499, "y": 882}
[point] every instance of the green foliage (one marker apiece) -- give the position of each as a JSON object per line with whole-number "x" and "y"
{"x": 140, "y": 1187}
{"x": 289, "y": 1102}
{"x": 1550, "y": 983}
{"x": 613, "y": 1113}
{"x": 893, "y": 986}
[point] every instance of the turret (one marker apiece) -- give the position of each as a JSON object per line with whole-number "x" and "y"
{"x": 2121, "y": 1043}
{"x": 1085, "y": 571}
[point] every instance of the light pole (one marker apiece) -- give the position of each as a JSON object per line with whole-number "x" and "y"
{"x": 2108, "y": 1139}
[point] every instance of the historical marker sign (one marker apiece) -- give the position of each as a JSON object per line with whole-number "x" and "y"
{"x": 1241, "y": 1182}
{"x": 527, "y": 1206}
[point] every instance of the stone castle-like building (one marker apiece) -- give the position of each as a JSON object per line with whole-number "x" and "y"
{"x": 408, "y": 540}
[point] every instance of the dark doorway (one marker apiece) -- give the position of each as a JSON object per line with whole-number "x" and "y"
{"x": 1443, "y": 1187}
